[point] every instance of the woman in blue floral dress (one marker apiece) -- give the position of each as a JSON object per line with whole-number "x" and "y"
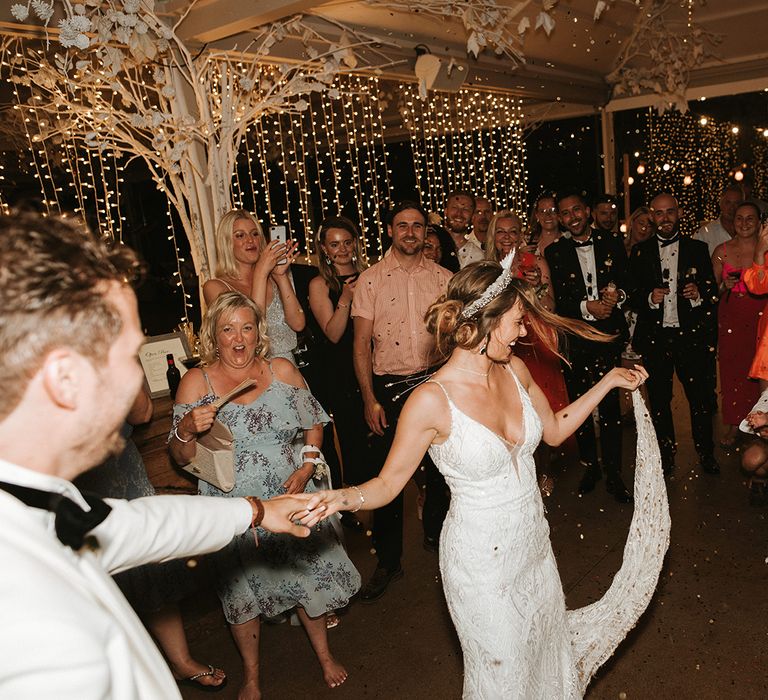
{"x": 313, "y": 575}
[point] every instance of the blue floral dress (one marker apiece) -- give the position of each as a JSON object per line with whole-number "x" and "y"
{"x": 282, "y": 571}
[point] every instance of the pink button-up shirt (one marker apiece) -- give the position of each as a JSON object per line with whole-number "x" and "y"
{"x": 396, "y": 301}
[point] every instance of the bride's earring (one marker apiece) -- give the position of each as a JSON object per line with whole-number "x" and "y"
{"x": 354, "y": 257}
{"x": 484, "y": 349}
{"x": 328, "y": 260}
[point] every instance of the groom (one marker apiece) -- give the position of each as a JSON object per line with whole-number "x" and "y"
{"x": 69, "y": 338}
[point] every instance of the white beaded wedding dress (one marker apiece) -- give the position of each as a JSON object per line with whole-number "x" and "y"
{"x": 499, "y": 573}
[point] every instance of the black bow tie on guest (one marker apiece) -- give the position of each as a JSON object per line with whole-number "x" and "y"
{"x": 72, "y": 522}
{"x": 581, "y": 244}
{"x": 664, "y": 242}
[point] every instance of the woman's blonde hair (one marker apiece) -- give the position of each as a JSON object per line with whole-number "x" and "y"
{"x": 226, "y": 265}
{"x": 490, "y": 238}
{"x": 222, "y": 307}
{"x": 451, "y": 330}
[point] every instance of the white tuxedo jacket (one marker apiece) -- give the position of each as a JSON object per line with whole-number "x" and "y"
{"x": 66, "y": 631}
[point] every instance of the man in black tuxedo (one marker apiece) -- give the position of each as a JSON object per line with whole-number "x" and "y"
{"x": 673, "y": 289}
{"x": 588, "y": 273}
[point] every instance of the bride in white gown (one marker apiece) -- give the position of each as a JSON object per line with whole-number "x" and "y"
{"x": 481, "y": 416}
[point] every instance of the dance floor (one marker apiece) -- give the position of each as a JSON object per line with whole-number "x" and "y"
{"x": 703, "y": 636}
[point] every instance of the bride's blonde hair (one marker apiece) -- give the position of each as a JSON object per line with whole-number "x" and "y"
{"x": 451, "y": 330}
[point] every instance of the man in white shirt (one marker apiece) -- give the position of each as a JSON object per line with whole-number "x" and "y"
{"x": 480, "y": 221}
{"x": 721, "y": 230}
{"x": 69, "y": 337}
{"x": 459, "y": 210}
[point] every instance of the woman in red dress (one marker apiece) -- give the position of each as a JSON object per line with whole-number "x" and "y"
{"x": 738, "y": 314}
{"x": 505, "y": 232}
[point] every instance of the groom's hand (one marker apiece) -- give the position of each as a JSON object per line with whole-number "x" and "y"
{"x": 376, "y": 417}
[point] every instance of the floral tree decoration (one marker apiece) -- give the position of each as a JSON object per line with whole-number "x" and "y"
{"x": 123, "y": 80}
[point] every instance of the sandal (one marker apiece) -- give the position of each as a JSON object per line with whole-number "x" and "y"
{"x": 331, "y": 620}
{"x": 194, "y": 681}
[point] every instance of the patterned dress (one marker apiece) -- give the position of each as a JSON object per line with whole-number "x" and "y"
{"x": 282, "y": 571}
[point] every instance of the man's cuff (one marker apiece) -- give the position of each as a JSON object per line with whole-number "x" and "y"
{"x": 651, "y": 304}
{"x": 585, "y": 314}
{"x": 696, "y": 302}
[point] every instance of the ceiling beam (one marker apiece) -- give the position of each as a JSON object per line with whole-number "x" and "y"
{"x": 217, "y": 19}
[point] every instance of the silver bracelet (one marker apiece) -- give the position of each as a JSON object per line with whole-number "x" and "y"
{"x": 362, "y": 499}
{"x": 176, "y": 435}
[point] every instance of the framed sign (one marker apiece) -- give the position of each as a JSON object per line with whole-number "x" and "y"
{"x": 152, "y": 356}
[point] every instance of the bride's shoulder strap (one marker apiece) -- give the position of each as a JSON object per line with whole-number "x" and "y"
{"x": 445, "y": 391}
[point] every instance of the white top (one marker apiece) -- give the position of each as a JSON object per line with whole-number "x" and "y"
{"x": 668, "y": 255}
{"x": 470, "y": 252}
{"x": 713, "y": 234}
{"x": 67, "y": 631}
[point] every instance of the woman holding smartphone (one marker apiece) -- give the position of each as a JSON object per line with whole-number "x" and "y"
{"x": 248, "y": 264}
{"x": 737, "y": 318}
{"x": 340, "y": 261}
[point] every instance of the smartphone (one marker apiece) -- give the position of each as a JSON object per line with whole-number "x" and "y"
{"x": 279, "y": 233}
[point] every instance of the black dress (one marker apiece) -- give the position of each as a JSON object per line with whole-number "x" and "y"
{"x": 339, "y": 392}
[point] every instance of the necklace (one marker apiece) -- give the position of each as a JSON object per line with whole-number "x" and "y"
{"x": 473, "y": 371}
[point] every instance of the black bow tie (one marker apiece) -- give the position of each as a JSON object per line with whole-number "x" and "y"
{"x": 72, "y": 522}
{"x": 582, "y": 244}
{"x": 664, "y": 242}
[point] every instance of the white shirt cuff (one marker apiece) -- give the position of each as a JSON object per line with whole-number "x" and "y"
{"x": 650, "y": 303}
{"x": 585, "y": 314}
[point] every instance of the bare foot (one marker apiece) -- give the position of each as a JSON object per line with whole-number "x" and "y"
{"x": 249, "y": 690}
{"x": 193, "y": 668}
{"x": 333, "y": 672}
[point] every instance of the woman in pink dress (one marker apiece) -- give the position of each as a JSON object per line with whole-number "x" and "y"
{"x": 738, "y": 315}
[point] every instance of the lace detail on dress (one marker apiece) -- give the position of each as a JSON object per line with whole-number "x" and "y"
{"x": 500, "y": 576}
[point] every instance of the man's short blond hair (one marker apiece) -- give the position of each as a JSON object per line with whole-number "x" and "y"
{"x": 53, "y": 277}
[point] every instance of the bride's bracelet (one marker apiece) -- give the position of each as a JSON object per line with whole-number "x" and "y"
{"x": 362, "y": 499}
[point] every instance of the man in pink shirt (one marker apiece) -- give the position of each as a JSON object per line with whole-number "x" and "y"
{"x": 392, "y": 353}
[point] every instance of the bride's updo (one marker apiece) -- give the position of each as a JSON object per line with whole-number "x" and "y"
{"x": 451, "y": 329}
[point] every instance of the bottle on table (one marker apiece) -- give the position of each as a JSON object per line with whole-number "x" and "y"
{"x": 172, "y": 374}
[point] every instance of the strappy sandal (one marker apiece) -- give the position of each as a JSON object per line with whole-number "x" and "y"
{"x": 331, "y": 620}
{"x": 194, "y": 681}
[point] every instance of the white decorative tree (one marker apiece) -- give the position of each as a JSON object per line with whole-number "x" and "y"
{"x": 126, "y": 81}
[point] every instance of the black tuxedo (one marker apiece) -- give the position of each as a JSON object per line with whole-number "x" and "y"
{"x": 688, "y": 350}
{"x": 590, "y": 360}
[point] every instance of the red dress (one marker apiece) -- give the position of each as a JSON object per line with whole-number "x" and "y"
{"x": 737, "y": 320}
{"x": 541, "y": 362}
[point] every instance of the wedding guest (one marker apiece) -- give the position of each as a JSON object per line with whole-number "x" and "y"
{"x": 756, "y": 279}
{"x": 246, "y": 263}
{"x": 313, "y": 577}
{"x": 721, "y": 229}
{"x": 754, "y": 460}
{"x": 459, "y": 210}
{"x": 545, "y": 226}
{"x": 67, "y": 631}
{"x": 432, "y": 249}
{"x": 673, "y": 290}
{"x": 480, "y": 220}
{"x": 737, "y": 317}
{"x": 588, "y": 272}
{"x": 392, "y": 351}
{"x": 340, "y": 261}
{"x": 605, "y": 213}
{"x": 640, "y": 228}
{"x": 505, "y": 230}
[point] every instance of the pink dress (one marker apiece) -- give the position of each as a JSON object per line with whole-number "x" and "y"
{"x": 738, "y": 315}
{"x": 751, "y": 277}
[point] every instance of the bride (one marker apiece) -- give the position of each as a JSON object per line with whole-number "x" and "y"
{"x": 481, "y": 416}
